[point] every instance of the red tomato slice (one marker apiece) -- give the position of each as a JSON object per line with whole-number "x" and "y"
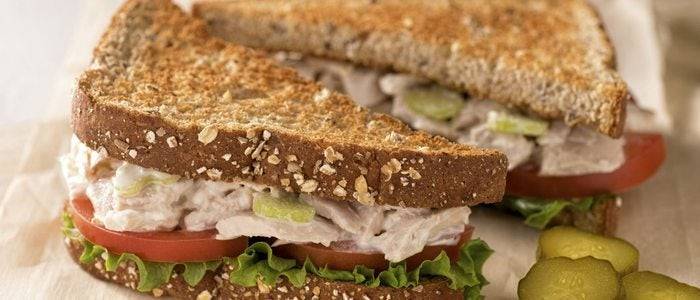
{"x": 644, "y": 154}
{"x": 338, "y": 259}
{"x": 161, "y": 246}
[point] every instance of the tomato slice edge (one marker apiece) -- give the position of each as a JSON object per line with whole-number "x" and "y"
{"x": 172, "y": 246}
{"x": 346, "y": 260}
{"x": 644, "y": 154}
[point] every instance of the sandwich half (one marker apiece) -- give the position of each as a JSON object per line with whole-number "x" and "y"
{"x": 202, "y": 169}
{"x": 534, "y": 79}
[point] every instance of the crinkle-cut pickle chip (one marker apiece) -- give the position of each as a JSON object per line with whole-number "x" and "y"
{"x": 434, "y": 102}
{"x": 566, "y": 278}
{"x": 575, "y": 243}
{"x": 652, "y": 286}
{"x": 285, "y": 207}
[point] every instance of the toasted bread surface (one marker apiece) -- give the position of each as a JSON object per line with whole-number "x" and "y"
{"x": 163, "y": 94}
{"x": 550, "y": 58}
{"x": 214, "y": 285}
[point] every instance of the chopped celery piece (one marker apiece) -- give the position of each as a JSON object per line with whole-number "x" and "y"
{"x": 435, "y": 103}
{"x": 283, "y": 208}
{"x": 565, "y": 278}
{"x": 575, "y": 243}
{"x": 508, "y": 123}
{"x": 129, "y": 179}
{"x": 651, "y": 286}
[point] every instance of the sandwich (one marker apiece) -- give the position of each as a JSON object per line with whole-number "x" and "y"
{"x": 202, "y": 169}
{"x": 534, "y": 79}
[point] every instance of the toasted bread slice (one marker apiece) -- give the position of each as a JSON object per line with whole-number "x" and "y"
{"x": 214, "y": 285}
{"x": 163, "y": 94}
{"x": 550, "y": 58}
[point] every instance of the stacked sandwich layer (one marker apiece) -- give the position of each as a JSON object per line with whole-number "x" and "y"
{"x": 534, "y": 79}
{"x": 202, "y": 169}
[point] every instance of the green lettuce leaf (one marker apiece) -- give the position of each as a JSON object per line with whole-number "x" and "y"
{"x": 259, "y": 264}
{"x": 539, "y": 212}
{"x": 195, "y": 271}
{"x": 151, "y": 274}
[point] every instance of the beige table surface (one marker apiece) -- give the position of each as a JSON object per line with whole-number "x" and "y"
{"x": 662, "y": 217}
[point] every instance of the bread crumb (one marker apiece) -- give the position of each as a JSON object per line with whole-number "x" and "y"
{"x": 322, "y": 95}
{"x": 172, "y": 142}
{"x": 293, "y": 167}
{"x": 262, "y": 287}
{"x": 285, "y": 181}
{"x": 327, "y": 169}
{"x": 266, "y": 135}
{"x": 415, "y": 175}
{"x": 299, "y": 178}
{"x": 331, "y": 155}
{"x": 150, "y": 137}
{"x": 394, "y": 137}
{"x": 226, "y": 156}
{"x": 157, "y": 292}
{"x": 132, "y": 153}
{"x": 202, "y": 170}
{"x": 454, "y": 48}
{"x": 291, "y": 157}
{"x": 204, "y": 295}
{"x": 250, "y": 133}
{"x": 309, "y": 186}
{"x": 273, "y": 159}
{"x": 208, "y": 134}
{"x": 214, "y": 174}
{"x": 121, "y": 145}
{"x": 339, "y": 191}
{"x": 160, "y": 131}
{"x": 227, "y": 96}
{"x": 362, "y": 195}
{"x": 343, "y": 182}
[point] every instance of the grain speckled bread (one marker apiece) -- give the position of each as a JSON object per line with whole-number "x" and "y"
{"x": 215, "y": 286}
{"x": 163, "y": 94}
{"x": 551, "y": 58}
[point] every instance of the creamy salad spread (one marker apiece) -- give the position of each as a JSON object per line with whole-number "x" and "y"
{"x": 559, "y": 149}
{"x": 127, "y": 197}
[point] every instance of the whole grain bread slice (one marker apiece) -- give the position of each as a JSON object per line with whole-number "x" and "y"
{"x": 163, "y": 94}
{"x": 550, "y": 58}
{"x": 215, "y": 285}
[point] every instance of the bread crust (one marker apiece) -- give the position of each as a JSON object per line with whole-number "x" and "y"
{"x": 215, "y": 285}
{"x": 273, "y": 131}
{"x": 601, "y": 219}
{"x": 550, "y": 58}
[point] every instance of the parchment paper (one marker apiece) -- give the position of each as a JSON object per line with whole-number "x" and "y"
{"x": 660, "y": 217}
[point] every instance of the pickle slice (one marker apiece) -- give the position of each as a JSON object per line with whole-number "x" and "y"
{"x": 565, "y": 278}
{"x": 507, "y": 123}
{"x": 286, "y": 208}
{"x": 651, "y": 286}
{"x": 435, "y": 102}
{"x": 575, "y": 243}
{"x": 129, "y": 179}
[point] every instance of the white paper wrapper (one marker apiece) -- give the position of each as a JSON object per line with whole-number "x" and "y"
{"x": 660, "y": 217}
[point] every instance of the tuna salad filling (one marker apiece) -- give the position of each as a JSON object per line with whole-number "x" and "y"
{"x": 558, "y": 149}
{"x": 126, "y": 197}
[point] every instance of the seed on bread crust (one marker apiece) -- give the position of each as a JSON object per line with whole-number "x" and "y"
{"x": 150, "y": 137}
{"x": 208, "y": 134}
{"x": 302, "y": 130}
{"x": 172, "y": 141}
